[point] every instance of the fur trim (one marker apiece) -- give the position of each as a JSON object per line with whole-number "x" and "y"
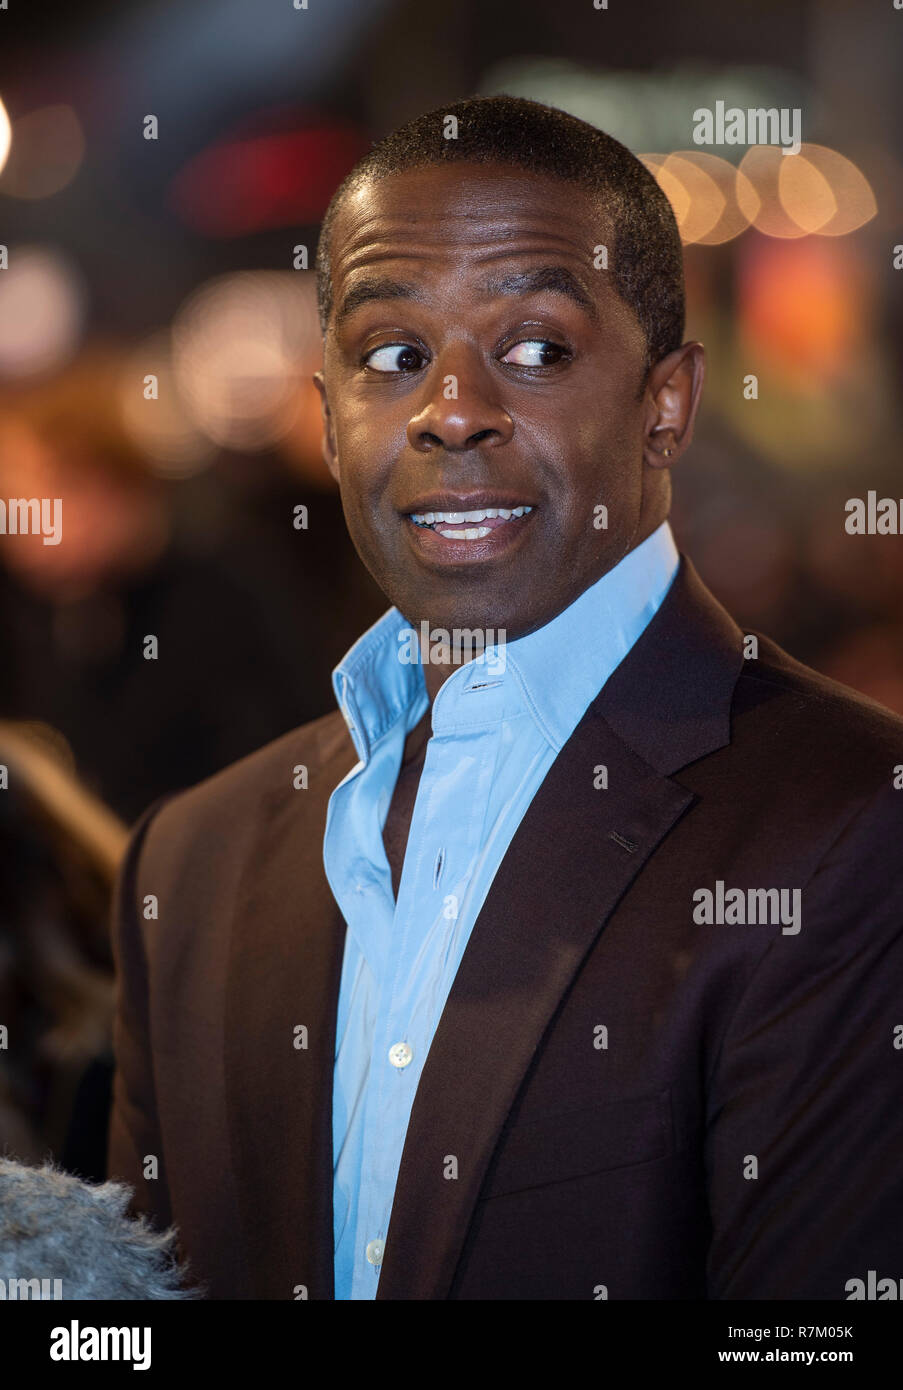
{"x": 54, "y": 1225}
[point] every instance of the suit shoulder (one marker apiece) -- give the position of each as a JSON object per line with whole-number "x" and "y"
{"x": 824, "y": 714}
{"x": 226, "y": 803}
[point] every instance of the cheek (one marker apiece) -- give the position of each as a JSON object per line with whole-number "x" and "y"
{"x": 368, "y": 516}
{"x": 603, "y": 469}
{"x": 369, "y": 439}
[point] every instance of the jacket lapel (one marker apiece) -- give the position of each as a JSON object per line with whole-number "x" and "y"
{"x": 285, "y": 965}
{"x": 575, "y": 853}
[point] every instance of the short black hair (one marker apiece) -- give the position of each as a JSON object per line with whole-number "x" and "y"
{"x": 646, "y": 259}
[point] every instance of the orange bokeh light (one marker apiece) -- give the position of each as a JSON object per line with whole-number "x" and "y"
{"x": 802, "y": 305}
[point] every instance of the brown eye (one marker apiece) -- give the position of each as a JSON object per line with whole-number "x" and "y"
{"x": 394, "y": 357}
{"x": 534, "y": 352}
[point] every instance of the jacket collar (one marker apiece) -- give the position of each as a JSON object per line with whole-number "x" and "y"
{"x": 670, "y": 699}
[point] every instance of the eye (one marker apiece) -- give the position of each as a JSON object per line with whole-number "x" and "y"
{"x": 535, "y": 352}
{"x": 394, "y": 357}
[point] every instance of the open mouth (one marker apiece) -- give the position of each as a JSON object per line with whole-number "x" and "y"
{"x": 473, "y": 525}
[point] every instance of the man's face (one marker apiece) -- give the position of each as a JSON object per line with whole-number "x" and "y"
{"x": 477, "y": 360}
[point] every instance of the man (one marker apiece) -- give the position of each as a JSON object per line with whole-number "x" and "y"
{"x": 571, "y": 970}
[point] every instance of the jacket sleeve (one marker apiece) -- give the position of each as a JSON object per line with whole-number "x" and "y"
{"x": 135, "y": 1136}
{"x": 804, "y": 1145}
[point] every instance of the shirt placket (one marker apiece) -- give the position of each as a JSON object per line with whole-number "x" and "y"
{"x": 443, "y": 847}
{"x": 392, "y": 1085}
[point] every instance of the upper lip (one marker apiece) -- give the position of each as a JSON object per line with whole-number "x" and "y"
{"x": 465, "y": 502}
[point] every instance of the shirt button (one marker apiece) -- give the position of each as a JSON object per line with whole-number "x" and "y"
{"x": 400, "y": 1054}
{"x": 374, "y": 1251}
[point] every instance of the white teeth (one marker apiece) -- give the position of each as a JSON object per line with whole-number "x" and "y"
{"x": 459, "y": 518}
{"x": 472, "y": 533}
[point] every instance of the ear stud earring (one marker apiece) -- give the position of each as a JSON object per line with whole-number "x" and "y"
{"x": 667, "y": 453}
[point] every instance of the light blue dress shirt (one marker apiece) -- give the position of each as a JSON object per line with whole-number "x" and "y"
{"x": 497, "y": 727}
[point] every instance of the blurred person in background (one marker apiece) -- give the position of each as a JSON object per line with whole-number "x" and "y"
{"x": 249, "y": 614}
{"x": 59, "y": 852}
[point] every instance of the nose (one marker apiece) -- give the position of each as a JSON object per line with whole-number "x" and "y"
{"x": 461, "y": 409}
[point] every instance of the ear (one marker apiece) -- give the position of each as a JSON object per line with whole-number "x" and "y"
{"x": 672, "y": 398}
{"x": 330, "y": 452}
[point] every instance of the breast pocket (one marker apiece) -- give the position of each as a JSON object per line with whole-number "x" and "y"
{"x": 615, "y": 1134}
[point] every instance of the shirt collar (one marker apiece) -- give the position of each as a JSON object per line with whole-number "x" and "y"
{"x": 564, "y": 664}
{"x": 374, "y": 688}
{"x": 559, "y": 668}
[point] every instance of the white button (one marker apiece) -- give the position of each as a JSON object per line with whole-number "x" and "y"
{"x": 400, "y": 1054}
{"x": 374, "y": 1251}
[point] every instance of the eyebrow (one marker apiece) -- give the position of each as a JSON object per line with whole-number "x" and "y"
{"x": 550, "y": 277}
{"x": 376, "y": 287}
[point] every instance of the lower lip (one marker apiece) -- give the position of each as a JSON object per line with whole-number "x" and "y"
{"x": 445, "y": 549}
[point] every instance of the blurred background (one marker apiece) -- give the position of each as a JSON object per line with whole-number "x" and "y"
{"x": 163, "y": 172}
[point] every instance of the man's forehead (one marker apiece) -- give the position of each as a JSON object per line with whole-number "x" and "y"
{"x": 364, "y": 288}
{"x": 477, "y": 210}
{"x": 413, "y": 234}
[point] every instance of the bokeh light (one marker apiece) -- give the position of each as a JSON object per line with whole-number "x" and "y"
{"x": 162, "y": 428}
{"x": 48, "y": 147}
{"x": 5, "y": 136}
{"x": 802, "y": 307}
{"x": 42, "y": 310}
{"x": 240, "y": 344}
{"x": 817, "y": 190}
{"x": 702, "y": 190}
{"x": 824, "y": 192}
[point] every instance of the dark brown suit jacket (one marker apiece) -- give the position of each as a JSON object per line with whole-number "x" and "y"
{"x": 590, "y": 1164}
